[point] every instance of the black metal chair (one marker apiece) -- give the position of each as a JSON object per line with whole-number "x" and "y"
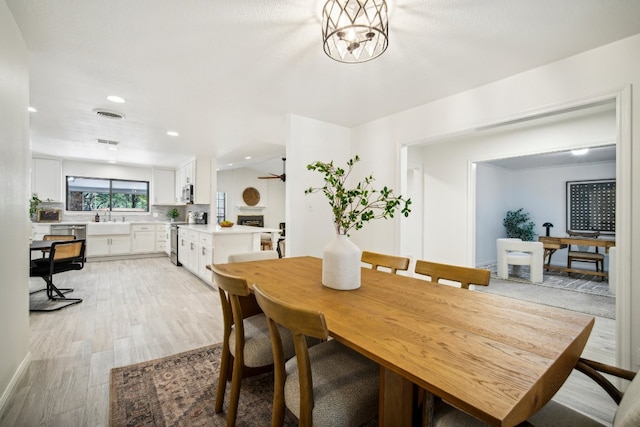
{"x": 64, "y": 256}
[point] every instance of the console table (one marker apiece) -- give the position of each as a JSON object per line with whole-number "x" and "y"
{"x": 552, "y": 244}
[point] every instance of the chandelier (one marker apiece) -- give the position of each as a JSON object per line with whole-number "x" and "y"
{"x": 355, "y": 30}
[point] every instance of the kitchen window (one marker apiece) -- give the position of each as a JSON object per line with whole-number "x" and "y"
{"x": 116, "y": 195}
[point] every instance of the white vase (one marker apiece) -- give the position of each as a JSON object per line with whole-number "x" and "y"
{"x": 341, "y": 264}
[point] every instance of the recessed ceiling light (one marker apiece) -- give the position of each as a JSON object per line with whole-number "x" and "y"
{"x": 112, "y": 148}
{"x": 111, "y": 161}
{"x": 32, "y": 110}
{"x": 247, "y": 158}
{"x": 580, "y": 152}
{"x": 116, "y": 99}
{"x": 172, "y": 133}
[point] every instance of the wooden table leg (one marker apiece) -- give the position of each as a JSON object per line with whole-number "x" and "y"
{"x": 397, "y": 400}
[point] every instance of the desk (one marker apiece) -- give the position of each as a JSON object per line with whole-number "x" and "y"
{"x": 552, "y": 244}
{"x": 496, "y": 358}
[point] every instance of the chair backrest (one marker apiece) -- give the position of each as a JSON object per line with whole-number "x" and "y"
{"x": 590, "y": 234}
{"x": 236, "y": 304}
{"x": 628, "y": 412}
{"x": 72, "y": 250}
{"x": 253, "y": 256}
{"x": 464, "y": 275}
{"x": 392, "y": 262}
{"x": 302, "y": 323}
{"x": 59, "y": 237}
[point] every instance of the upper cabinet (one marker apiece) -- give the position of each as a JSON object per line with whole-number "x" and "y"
{"x": 197, "y": 173}
{"x": 164, "y": 187}
{"x": 46, "y": 179}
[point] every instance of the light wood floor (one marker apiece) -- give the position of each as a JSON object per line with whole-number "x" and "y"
{"x": 137, "y": 310}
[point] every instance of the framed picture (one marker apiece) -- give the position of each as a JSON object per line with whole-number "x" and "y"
{"x": 591, "y": 206}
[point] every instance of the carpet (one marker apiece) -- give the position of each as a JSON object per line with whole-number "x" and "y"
{"x": 577, "y": 293}
{"x": 180, "y": 390}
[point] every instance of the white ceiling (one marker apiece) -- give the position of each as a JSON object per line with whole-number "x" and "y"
{"x": 225, "y": 74}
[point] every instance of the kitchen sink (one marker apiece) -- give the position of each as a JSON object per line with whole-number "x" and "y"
{"x": 98, "y": 228}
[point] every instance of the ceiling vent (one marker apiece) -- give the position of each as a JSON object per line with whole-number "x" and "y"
{"x": 109, "y": 114}
{"x": 108, "y": 142}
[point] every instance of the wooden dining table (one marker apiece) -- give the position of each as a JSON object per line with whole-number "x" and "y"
{"x": 496, "y": 358}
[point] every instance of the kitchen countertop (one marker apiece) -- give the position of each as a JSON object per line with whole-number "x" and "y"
{"x": 236, "y": 229}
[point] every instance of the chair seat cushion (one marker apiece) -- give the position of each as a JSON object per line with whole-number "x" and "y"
{"x": 518, "y": 258}
{"x": 553, "y": 414}
{"x": 257, "y": 343}
{"x": 345, "y": 385}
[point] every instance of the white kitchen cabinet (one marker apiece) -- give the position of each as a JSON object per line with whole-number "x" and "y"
{"x": 46, "y": 179}
{"x": 164, "y": 186}
{"x": 143, "y": 238}
{"x": 205, "y": 256}
{"x": 197, "y": 173}
{"x": 163, "y": 238}
{"x": 117, "y": 244}
{"x": 187, "y": 252}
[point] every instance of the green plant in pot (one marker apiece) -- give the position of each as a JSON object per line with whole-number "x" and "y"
{"x": 518, "y": 225}
{"x": 352, "y": 207}
{"x": 173, "y": 214}
{"x": 34, "y": 202}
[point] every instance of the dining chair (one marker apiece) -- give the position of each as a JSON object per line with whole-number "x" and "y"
{"x": 63, "y": 256}
{"x": 60, "y": 237}
{"x": 327, "y": 384}
{"x": 555, "y": 414}
{"x": 581, "y": 253}
{"x": 455, "y": 273}
{"x": 246, "y": 346}
{"x": 392, "y": 262}
{"x": 253, "y": 256}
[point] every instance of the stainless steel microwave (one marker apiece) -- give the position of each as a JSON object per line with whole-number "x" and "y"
{"x": 187, "y": 193}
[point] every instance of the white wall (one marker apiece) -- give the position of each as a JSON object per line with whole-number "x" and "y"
{"x": 309, "y": 218}
{"x": 609, "y": 71}
{"x": 540, "y": 192}
{"x": 103, "y": 170}
{"x": 272, "y": 194}
{"x": 14, "y": 209}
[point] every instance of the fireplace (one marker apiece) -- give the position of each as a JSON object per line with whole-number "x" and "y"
{"x": 251, "y": 220}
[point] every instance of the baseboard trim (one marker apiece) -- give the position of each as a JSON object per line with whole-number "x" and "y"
{"x": 22, "y": 369}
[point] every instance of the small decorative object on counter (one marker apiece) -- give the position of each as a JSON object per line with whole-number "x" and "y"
{"x": 226, "y": 224}
{"x": 97, "y": 218}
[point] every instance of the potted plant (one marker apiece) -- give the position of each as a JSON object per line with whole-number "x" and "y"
{"x": 518, "y": 225}
{"x": 352, "y": 208}
{"x": 173, "y": 214}
{"x": 34, "y": 202}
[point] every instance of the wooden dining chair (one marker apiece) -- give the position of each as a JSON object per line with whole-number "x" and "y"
{"x": 64, "y": 256}
{"x": 392, "y": 262}
{"x": 246, "y": 346}
{"x": 581, "y": 253}
{"x": 464, "y": 275}
{"x": 327, "y": 384}
{"x": 555, "y": 414}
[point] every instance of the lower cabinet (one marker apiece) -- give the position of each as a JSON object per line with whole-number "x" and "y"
{"x": 195, "y": 252}
{"x": 143, "y": 238}
{"x": 117, "y": 244}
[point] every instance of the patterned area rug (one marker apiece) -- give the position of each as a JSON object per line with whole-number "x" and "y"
{"x": 578, "y": 293}
{"x": 180, "y": 390}
{"x": 555, "y": 279}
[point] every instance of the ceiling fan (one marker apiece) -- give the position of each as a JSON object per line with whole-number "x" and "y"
{"x": 283, "y": 177}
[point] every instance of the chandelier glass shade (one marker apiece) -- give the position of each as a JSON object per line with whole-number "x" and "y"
{"x": 355, "y": 31}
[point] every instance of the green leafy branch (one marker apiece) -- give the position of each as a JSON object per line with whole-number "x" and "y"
{"x": 353, "y": 207}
